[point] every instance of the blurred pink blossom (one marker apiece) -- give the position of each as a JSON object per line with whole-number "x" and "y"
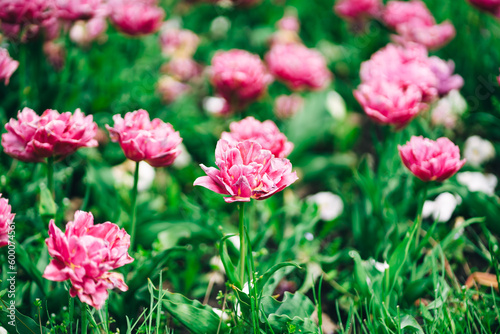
{"x": 239, "y": 76}
{"x": 179, "y": 42}
{"x": 7, "y": 66}
{"x": 155, "y": 142}
{"x": 183, "y": 69}
{"x": 492, "y": 6}
{"x": 298, "y": 67}
{"x": 447, "y": 81}
{"x": 431, "y": 160}
{"x": 389, "y": 103}
{"x": 358, "y": 9}
{"x": 73, "y": 10}
{"x": 6, "y": 218}
{"x": 264, "y": 133}
{"x": 33, "y": 138}
{"x": 246, "y": 171}
{"x": 285, "y": 106}
{"x": 55, "y": 53}
{"x": 170, "y": 89}
{"x": 85, "y": 254}
{"x": 402, "y": 12}
{"x": 136, "y": 17}
{"x": 290, "y": 23}
{"x": 85, "y": 32}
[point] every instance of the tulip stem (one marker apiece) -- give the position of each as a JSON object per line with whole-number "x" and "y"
{"x": 420, "y": 214}
{"x": 50, "y": 176}
{"x": 134, "y": 205}
{"x": 242, "y": 244}
{"x": 84, "y": 317}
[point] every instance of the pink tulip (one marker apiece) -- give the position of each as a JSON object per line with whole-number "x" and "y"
{"x": 7, "y": 66}
{"x": 290, "y": 23}
{"x": 85, "y": 254}
{"x": 266, "y": 134}
{"x": 6, "y": 218}
{"x": 299, "y": 67}
{"x": 447, "y": 81}
{"x": 155, "y": 142}
{"x": 285, "y": 106}
{"x": 179, "y": 42}
{"x": 55, "y": 53}
{"x": 85, "y": 32}
{"x": 183, "y": 69}
{"x": 239, "y": 76}
{"x": 246, "y": 171}
{"x": 389, "y": 103}
{"x": 403, "y": 12}
{"x": 73, "y": 10}
{"x": 171, "y": 89}
{"x": 431, "y": 160}
{"x": 358, "y": 9}
{"x": 136, "y": 17}
{"x": 25, "y": 11}
{"x": 33, "y": 138}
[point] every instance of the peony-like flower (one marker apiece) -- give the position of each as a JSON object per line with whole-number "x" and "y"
{"x": 85, "y": 253}
{"x": 183, "y": 69}
{"x": 246, "y": 171}
{"x": 155, "y": 142}
{"x": 6, "y": 218}
{"x": 136, "y": 17}
{"x": 7, "y": 66}
{"x": 266, "y": 134}
{"x": 442, "y": 208}
{"x": 475, "y": 181}
{"x": 389, "y": 103}
{"x": 298, "y": 67}
{"x": 290, "y": 23}
{"x": 181, "y": 43}
{"x": 403, "y": 12}
{"x": 170, "y": 89}
{"x": 358, "y": 9}
{"x": 285, "y": 106}
{"x": 330, "y": 205}
{"x": 478, "y": 150}
{"x": 447, "y": 81}
{"x": 73, "y": 10}
{"x": 431, "y": 160}
{"x": 239, "y": 76}
{"x": 33, "y": 138}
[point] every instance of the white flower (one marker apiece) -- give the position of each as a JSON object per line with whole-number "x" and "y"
{"x": 123, "y": 175}
{"x": 330, "y": 205}
{"x": 442, "y": 208}
{"x": 221, "y": 314}
{"x": 184, "y": 159}
{"x": 379, "y": 265}
{"x": 476, "y": 181}
{"x": 3, "y": 330}
{"x": 220, "y": 26}
{"x": 214, "y": 104}
{"x": 448, "y": 109}
{"x": 335, "y": 105}
{"x": 478, "y": 150}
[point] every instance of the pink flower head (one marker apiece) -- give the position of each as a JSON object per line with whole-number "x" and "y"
{"x": 298, "y": 66}
{"x": 181, "y": 43}
{"x": 246, "y": 171}
{"x": 402, "y": 12}
{"x": 33, "y": 138}
{"x": 84, "y": 254}
{"x": 431, "y": 160}
{"x": 403, "y": 65}
{"x": 183, "y": 69}
{"x": 290, "y": 23}
{"x": 6, "y": 218}
{"x": 388, "y": 103}
{"x": 7, "y": 66}
{"x": 85, "y": 32}
{"x": 136, "y": 17}
{"x": 25, "y": 11}
{"x": 170, "y": 89}
{"x": 285, "y": 106}
{"x": 73, "y": 10}
{"x": 155, "y": 142}
{"x": 358, "y": 9}
{"x": 266, "y": 134}
{"x": 239, "y": 76}
{"x": 447, "y": 81}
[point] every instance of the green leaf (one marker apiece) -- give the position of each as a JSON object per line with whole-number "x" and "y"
{"x": 409, "y": 323}
{"x": 262, "y": 280}
{"x": 47, "y": 206}
{"x": 23, "y": 324}
{"x": 228, "y": 264}
{"x": 360, "y": 275}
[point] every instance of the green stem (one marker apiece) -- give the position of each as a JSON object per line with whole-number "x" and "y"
{"x": 134, "y": 206}
{"x": 50, "y": 176}
{"x": 242, "y": 244}
{"x": 23, "y": 100}
{"x": 84, "y": 317}
{"x": 419, "y": 215}
{"x": 71, "y": 313}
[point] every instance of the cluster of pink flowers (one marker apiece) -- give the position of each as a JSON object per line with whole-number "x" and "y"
{"x": 73, "y": 10}
{"x": 239, "y": 77}
{"x": 136, "y": 17}
{"x": 414, "y": 23}
{"x": 491, "y": 6}
{"x": 431, "y": 160}
{"x": 6, "y": 219}
{"x": 85, "y": 253}
{"x": 141, "y": 139}
{"x": 251, "y": 161}
{"x": 7, "y": 66}
{"x": 399, "y": 81}
{"x": 33, "y": 138}
{"x": 358, "y": 10}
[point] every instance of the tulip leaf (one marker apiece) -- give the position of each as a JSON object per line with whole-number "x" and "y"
{"x": 23, "y": 324}
{"x": 47, "y": 205}
{"x": 262, "y": 280}
{"x": 410, "y": 323}
{"x": 228, "y": 264}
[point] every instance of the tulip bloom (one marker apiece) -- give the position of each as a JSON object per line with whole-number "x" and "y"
{"x": 6, "y": 218}
{"x": 447, "y": 81}
{"x": 155, "y": 142}
{"x": 298, "y": 67}
{"x": 85, "y": 253}
{"x": 358, "y": 9}
{"x": 246, "y": 171}
{"x": 33, "y": 138}
{"x": 136, "y": 17}
{"x": 239, "y": 76}
{"x": 285, "y": 106}
{"x": 431, "y": 160}
{"x": 7, "y": 66}
{"x": 265, "y": 133}
{"x": 73, "y": 10}
{"x": 179, "y": 42}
